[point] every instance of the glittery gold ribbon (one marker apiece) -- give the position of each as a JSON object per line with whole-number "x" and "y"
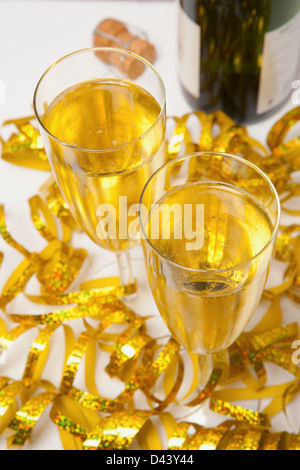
{"x": 85, "y": 418}
{"x": 25, "y": 147}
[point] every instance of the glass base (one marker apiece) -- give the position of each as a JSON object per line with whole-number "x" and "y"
{"x": 142, "y": 300}
{"x": 142, "y": 303}
{"x": 197, "y": 372}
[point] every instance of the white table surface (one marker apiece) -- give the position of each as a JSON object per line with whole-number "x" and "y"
{"x": 33, "y": 34}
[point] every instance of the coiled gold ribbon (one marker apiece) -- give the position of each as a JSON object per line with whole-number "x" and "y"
{"x": 145, "y": 365}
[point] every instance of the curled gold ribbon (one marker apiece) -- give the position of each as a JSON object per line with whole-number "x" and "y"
{"x": 85, "y": 418}
{"x": 25, "y": 147}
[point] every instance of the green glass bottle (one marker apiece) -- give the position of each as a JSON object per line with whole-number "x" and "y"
{"x": 240, "y": 56}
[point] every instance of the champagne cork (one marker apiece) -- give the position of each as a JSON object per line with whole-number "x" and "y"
{"x": 113, "y": 33}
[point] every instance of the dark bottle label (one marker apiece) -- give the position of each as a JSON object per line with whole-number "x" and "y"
{"x": 189, "y": 53}
{"x": 280, "y": 58}
{"x": 241, "y": 57}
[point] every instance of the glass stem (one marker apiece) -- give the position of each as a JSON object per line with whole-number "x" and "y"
{"x": 125, "y": 269}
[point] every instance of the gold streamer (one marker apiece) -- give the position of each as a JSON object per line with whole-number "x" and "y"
{"x": 27, "y": 417}
{"x": 136, "y": 358}
{"x": 25, "y": 148}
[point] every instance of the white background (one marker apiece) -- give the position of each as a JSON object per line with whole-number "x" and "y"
{"x": 33, "y": 34}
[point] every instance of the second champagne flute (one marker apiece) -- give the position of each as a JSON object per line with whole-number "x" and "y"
{"x": 101, "y": 114}
{"x": 209, "y": 222}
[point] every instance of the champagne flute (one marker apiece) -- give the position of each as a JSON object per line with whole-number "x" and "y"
{"x": 101, "y": 114}
{"x": 209, "y": 223}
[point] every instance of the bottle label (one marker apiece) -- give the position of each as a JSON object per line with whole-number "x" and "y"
{"x": 279, "y": 64}
{"x": 189, "y": 42}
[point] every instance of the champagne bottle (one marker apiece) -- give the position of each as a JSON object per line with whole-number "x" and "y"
{"x": 240, "y": 56}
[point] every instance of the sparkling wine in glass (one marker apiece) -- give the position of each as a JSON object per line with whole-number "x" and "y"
{"x": 209, "y": 223}
{"x": 104, "y": 135}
